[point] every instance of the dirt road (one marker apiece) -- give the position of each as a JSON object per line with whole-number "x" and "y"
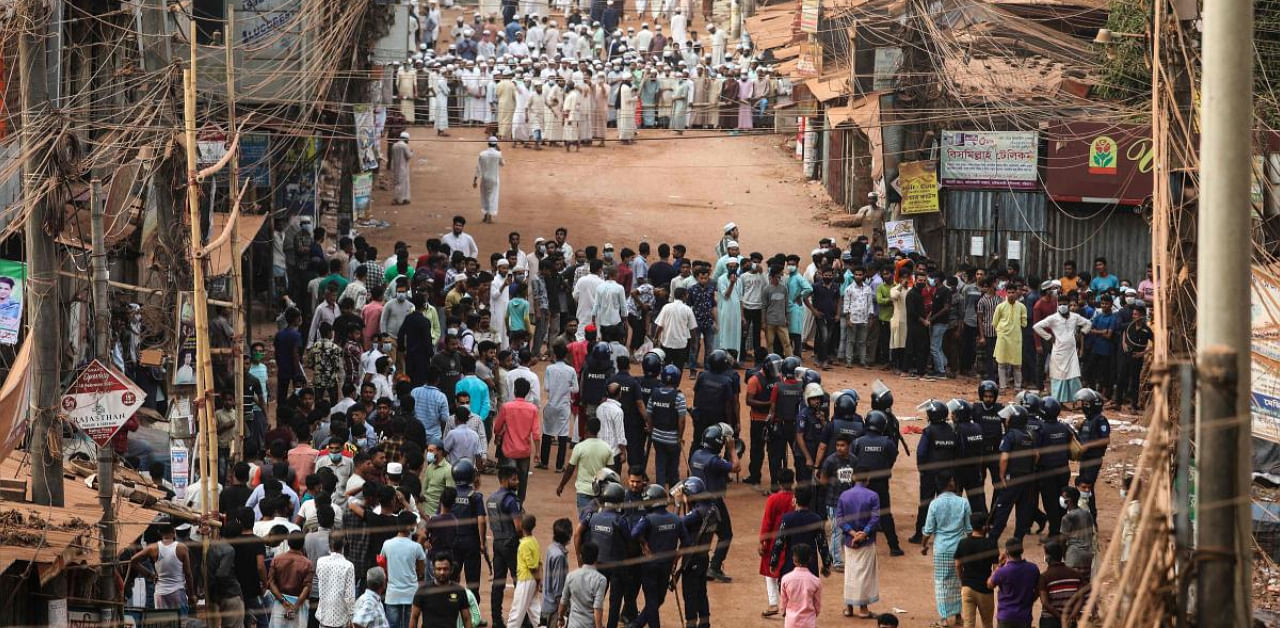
{"x": 681, "y": 190}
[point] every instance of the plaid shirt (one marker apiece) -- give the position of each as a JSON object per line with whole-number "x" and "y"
{"x": 986, "y": 309}
{"x": 369, "y": 611}
{"x": 391, "y": 446}
{"x": 374, "y": 274}
{"x": 357, "y": 547}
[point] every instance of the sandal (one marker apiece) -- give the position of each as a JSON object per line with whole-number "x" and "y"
{"x": 769, "y": 612}
{"x": 866, "y": 615}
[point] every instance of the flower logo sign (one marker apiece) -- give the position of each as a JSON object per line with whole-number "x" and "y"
{"x": 1102, "y": 156}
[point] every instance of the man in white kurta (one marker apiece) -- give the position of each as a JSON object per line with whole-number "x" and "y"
{"x": 679, "y": 27}
{"x": 520, "y": 129}
{"x": 401, "y": 156}
{"x": 626, "y": 112}
{"x": 719, "y": 41}
{"x": 407, "y": 90}
{"x": 553, "y": 125}
{"x": 572, "y": 115}
{"x": 1064, "y": 363}
{"x": 488, "y": 168}
{"x": 440, "y": 102}
{"x": 537, "y": 114}
{"x": 499, "y": 296}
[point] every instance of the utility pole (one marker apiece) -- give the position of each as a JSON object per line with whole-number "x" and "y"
{"x": 1224, "y": 542}
{"x": 42, "y": 257}
{"x": 237, "y": 282}
{"x": 102, "y": 349}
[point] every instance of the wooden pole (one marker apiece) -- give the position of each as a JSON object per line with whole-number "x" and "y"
{"x": 237, "y": 282}
{"x": 102, "y": 349}
{"x": 202, "y": 402}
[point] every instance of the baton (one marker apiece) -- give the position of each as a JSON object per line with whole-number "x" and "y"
{"x": 487, "y": 562}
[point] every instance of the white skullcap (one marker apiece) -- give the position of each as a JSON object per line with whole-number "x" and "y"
{"x": 730, "y": 227}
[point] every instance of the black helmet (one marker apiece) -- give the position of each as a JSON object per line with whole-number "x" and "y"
{"x": 961, "y": 410}
{"x": 693, "y": 486}
{"x": 988, "y": 386}
{"x": 877, "y": 422}
{"x": 603, "y": 477}
{"x": 713, "y": 439}
{"x": 846, "y": 403}
{"x": 1050, "y": 408}
{"x": 1090, "y": 400}
{"x": 651, "y": 364}
{"x": 612, "y": 493}
{"x": 810, "y": 376}
{"x": 601, "y": 353}
{"x": 655, "y": 495}
{"x": 789, "y": 366}
{"x": 718, "y": 361}
{"x": 464, "y": 472}
{"x": 882, "y": 400}
{"x": 772, "y": 365}
{"x": 1015, "y": 416}
{"x": 935, "y": 410}
{"x": 671, "y": 375}
{"x": 1032, "y": 401}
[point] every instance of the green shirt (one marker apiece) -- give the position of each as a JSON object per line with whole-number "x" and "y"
{"x": 885, "y": 303}
{"x": 390, "y": 274}
{"x": 517, "y": 310}
{"x": 434, "y": 478}
{"x": 334, "y": 278}
{"x": 589, "y": 456}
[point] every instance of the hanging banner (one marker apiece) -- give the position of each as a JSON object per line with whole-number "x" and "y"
{"x": 366, "y": 137}
{"x": 810, "y": 12}
{"x": 179, "y": 468}
{"x": 253, "y": 161}
{"x": 100, "y": 400}
{"x": 990, "y": 159}
{"x": 184, "y": 364}
{"x": 809, "y": 64}
{"x": 12, "y": 279}
{"x": 901, "y": 235}
{"x": 361, "y": 192}
{"x": 918, "y": 183}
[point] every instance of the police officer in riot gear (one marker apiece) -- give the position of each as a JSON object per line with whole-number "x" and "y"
{"x": 633, "y": 412}
{"x": 468, "y": 507}
{"x": 876, "y": 452}
{"x": 715, "y": 394}
{"x": 1017, "y": 487}
{"x": 650, "y": 373}
{"x": 666, "y": 410}
{"x": 882, "y": 400}
{"x": 969, "y": 453}
{"x": 1054, "y": 445}
{"x": 787, "y": 397}
{"x": 844, "y": 420}
{"x": 935, "y": 453}
{"x": 811, "y": 422}
{"x": 700, "y": 521}
{"x": 607, "y": 529}
{"x": 504, "y": 512}
{"x": 760, "y": 401}
{"x": 660, "y": 534}
{"x": 595, "y": 379}
{"x": 986, "y": 413}
{"x": 707, "y": 465}
{"x": 1095, "y": 434}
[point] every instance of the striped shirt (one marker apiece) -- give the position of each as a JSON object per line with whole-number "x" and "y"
{"x": 669, "y": 437}
{"x": 986, "y": 309}
{"x": 1061, "y": 583}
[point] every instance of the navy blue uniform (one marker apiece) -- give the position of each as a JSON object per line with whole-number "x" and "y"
{"x": 1094, "y": 428}
{"x": 877, "y": 453}
{"x": 988, "y": 418}
{"x": 936, "y": 452}
{"x": 810, "y": 424}
{"x": 714, "y": 472}
{"x": 712, "y": 394}
{"x": 782, "y": 432}
{"x": 469, "y": 507}
{"x": 1019, "y": 490}
{"x": 1054, "y": 444}
{"x": 664, "y": 414}
{"x": 629, "y": 396}
{"x": 800, "y": 527}
{"x": 608, "y": 530}
{"x": 503, "y": 507}
{"x": 969, "y": 456}
{"x": 699, "y": 524}
{"x": 663, "y": 534}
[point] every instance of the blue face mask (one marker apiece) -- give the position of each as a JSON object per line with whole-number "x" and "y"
{"x": 431, "y": 457}
{"x": 335, "y": 458}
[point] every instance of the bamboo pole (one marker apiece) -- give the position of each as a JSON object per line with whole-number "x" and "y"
{"x": 237, "y": 286}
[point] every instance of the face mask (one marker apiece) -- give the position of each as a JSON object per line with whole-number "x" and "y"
{"x": 1062, "y": 501}
{"x": 258, "y": 355}
{"x": 306, "y": 226}
{"x": 402, "y": 296}
{"x": 608, "y": 255}
{"x": 385, "y": 347}
{"x": 791, "y": 270}
{"x": 1063, "y": 309}
{"x": 335, "y": 458}
{"x": 1086, "y": 495}
{"x": 932, "y": 281}
{"x": 431, "y": 457}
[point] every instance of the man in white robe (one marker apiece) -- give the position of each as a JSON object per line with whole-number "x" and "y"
{"x": 679, "y": 27}
{"x": 719, "y": 41}
{"x": 553, "y": 125}
{"x": 400, "y": 161}
{"x": 520, "y": 130}
{"x": 537, "y": 114}
{"x": 499, "y": 296}
{"x": 626, "y": 112}
{"x": 440, "y": 101}
{"x": 407, "y": 90}
{"x": 488, "y": 168}
{"x": 1061, "y": 328}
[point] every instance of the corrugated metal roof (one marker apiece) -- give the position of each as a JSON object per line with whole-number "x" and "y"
{"x": 987, "y": 209}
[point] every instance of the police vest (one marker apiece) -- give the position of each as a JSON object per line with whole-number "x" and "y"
{"x": 711, "y": 397}
{"x": 468, "y": 506}
{"x": 705, "y": 526}
{"x": 647, "y": 386}
{"x": 1055, "y": 445}
{"x": 664, "y": 414}
{"x": 501, "y": 523}
{"x": 789, "y": 399}
{"x": 604, "y": 533}
{"x": 991, "y": 423}
{"x": 943, "y": 443}
{"x": 970, "y": 440}
{"x": 874, "y": 452}
{"x": 853, "y": 427}
{"x": 1021, "y": 459}
{"x": 664, "y": 535}
{"x": 700, "y": 466}
{"x": 594, "y": 387}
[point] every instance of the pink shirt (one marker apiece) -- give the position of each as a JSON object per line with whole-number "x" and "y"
{"x": 801, "y": 598}
{"x": 302, "y": 459}
{"x": 372, "y": 315}
{"x": 518, "y": 422}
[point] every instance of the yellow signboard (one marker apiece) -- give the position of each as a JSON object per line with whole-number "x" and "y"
{"x": 918, "y": 181}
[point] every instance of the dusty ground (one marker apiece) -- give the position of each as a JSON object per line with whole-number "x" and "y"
{"x": 684, "y": 190}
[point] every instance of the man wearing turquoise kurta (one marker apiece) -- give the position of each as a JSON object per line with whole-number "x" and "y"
{"x": 798, "y": 304}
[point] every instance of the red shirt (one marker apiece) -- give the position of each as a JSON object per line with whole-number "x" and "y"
{"x": 517, "y": 422}
{"x": 778, "y": 504}
{"x": 578, "y": 354}
{"x": 624, "y": 276}
{"x": 372, "y": 315}
{"x": 754, "y": 388}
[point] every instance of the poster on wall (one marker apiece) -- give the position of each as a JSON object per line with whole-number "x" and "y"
{"x": 918, "y": 184}
{"x": 366, "y": 137}
{"x": 184, "y": 364}
{"x": 361, "y": 192}
{"x": 1264, "y": 323}
{"x": 253, "y": 162}
{"x": 810, "y": 12}
{"x": 179, "y": 468}
{"x": 12, "y": 279}
{"x": 901, "y": 235}
{"x": 990, "y": 159}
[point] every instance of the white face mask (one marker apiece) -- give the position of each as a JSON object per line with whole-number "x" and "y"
{"x": 1064, "y": 310}
{"x": 1062, "y": 501}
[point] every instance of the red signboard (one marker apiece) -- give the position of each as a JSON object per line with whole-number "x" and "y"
{"x": 100, "y": 400}
{"x": 1098, "y": 162}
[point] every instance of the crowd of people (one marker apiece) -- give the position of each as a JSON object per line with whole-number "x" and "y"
{"x": 400, "y": 381}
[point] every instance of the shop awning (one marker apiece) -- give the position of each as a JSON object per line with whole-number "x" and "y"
{"x": 247, "y": 227}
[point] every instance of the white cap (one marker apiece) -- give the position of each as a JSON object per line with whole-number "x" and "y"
{"x": 503, "y": 262}
{"x": 394, "y": 468}
{"x": 404, "y": 135}
{"x": 608, "y": 246}
{"x": 730, "y": 227}
{"x": 731, "y": 244}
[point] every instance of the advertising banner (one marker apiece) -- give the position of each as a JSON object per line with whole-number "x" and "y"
{"x": 918, "y": 184}
{"x": 1099, "y": 162}
{"x": 990, "y": 159}
{"x": 12, "y": 279}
